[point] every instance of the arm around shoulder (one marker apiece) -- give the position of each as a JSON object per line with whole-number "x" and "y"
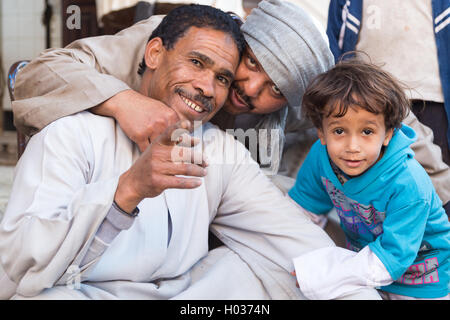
{"x": 64, "y": 81}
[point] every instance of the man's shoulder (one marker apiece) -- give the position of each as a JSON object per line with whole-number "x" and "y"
{"x": 82, "y": 118}
{"x": 144, "y": 27}
{"x": 81, "y": 125}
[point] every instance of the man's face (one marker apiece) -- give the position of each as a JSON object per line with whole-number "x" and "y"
{"x": 252, "y": 90}
{"x": 193, "y": 77}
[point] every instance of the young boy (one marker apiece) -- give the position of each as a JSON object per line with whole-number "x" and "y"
{"x": 397, "y": 232}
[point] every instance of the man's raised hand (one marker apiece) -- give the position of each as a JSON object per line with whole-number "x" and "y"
{"x": 170, "y": 161}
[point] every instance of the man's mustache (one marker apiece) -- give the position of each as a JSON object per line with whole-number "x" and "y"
{"x": 200, "y": 99}
{"x": 243, "y": 96}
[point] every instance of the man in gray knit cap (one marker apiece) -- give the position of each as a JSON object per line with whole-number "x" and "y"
{"x": 286, "y": 49}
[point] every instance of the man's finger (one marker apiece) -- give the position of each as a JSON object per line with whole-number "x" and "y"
{"x": 186, "y": 140}
{"x": 183, "y": 169}
{"x": 142, "y": 145}
{"x": 181, "y": 182}
{"x": 173, "y": 134}
{"x": 187, "y": 155}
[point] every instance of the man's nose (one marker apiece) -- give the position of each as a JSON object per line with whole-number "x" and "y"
{"x": 253, "y": 86}
{"x": 205, "y": 85}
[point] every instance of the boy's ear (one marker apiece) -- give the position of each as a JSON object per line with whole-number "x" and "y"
{"x": 321, "y": 137}
{"x": 153, "y": 53}
{"x": 388, "y": 137}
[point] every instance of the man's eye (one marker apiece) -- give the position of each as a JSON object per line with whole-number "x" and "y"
{"x": 276, "y": 90}
{"x": 251, "y": 62}
{"x": 223, "y": 80}
{"x": 196, "y": 62}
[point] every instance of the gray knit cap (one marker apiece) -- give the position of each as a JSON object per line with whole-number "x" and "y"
{"x": 292, "y": 51}
{"x": 288, "y": 45}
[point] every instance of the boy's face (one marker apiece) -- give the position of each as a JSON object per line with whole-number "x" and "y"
{"x": 354, "y": 141}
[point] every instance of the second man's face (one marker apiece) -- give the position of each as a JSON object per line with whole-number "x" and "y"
{"x": 252, "y": 90}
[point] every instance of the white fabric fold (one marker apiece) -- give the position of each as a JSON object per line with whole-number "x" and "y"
{"x": 334, "y": 272}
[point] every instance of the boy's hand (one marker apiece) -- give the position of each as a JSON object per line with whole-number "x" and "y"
{"x": 296, "y": 282}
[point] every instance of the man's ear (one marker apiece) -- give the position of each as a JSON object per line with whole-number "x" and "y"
{"x": 321, "y": 136}
{"x": 388, "y": 137}
{"x": 153, "y": 53}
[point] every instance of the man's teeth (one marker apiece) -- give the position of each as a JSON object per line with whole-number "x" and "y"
{"x": 192, "y": 105}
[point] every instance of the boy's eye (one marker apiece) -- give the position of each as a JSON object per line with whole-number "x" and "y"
{"x": 338, "y": 131}
{"x": 367, "y": 132}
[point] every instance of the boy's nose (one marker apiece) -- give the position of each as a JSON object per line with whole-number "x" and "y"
{"x": 353, "y": 145}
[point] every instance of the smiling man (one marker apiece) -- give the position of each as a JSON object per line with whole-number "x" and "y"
{"x": 196, "y": 77}
{"x": 91, "y": 216}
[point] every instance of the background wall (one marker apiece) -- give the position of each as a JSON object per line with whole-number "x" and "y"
{"x": 23, "y": 33}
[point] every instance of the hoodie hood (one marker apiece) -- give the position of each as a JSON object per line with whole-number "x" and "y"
{"x": 398, "y": 148}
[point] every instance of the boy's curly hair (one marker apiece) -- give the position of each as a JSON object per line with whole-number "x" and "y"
{"x": 353, "y": 83}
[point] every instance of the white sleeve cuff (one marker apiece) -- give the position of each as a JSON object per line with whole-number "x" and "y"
{"x": 333, "y": 272}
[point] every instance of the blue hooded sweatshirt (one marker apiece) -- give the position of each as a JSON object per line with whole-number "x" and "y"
{"x": 392, "y": 207}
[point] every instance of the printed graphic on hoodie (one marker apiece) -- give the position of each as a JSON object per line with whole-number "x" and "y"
{"x": 425, "y": 268}
{"x": 359, "y": 220}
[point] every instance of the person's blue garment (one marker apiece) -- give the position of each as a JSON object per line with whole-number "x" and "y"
{"x": 344, "y": 22}
{"x": 392, "y": 207}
